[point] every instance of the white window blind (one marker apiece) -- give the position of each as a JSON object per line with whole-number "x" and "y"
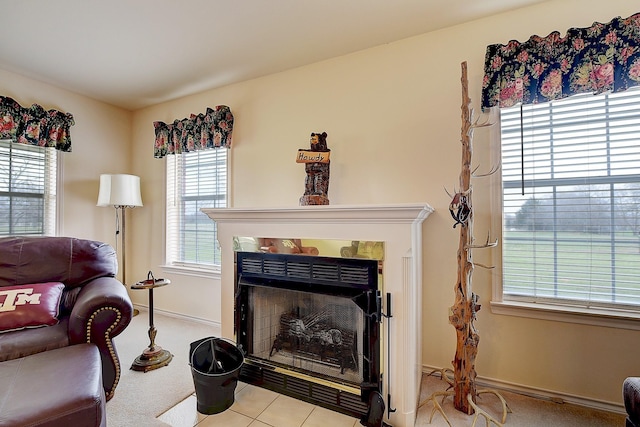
{"x": 195, "y": 180}
{"x": 574, "y": 236}
{"x": 27, "y": 189}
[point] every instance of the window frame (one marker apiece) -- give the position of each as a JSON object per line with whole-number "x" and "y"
{"x": 52, "y": 200}
{"x": 553, "y": 310}
{"x": 180, "y": 267}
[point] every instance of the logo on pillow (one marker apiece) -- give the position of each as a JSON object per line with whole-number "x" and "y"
{"x": 16, "y": 297}
{"x": 29, "y": 306}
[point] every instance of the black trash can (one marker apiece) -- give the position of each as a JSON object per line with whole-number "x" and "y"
{"x": 215, "y": 366}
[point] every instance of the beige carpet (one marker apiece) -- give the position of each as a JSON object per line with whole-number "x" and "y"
{"x": 141, "y": 396}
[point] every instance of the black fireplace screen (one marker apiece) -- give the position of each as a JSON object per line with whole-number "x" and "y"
{"x": 307, "y": 332}
{"x": 316, "y": 316}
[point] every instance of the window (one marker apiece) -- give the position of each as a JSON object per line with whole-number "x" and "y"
{"x": 195, "y": 180}
{"x": 27, "y": 190}
{"x": 571, "y": 201}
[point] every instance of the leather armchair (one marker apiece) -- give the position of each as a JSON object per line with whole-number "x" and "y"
{"x": 94, "y": 306}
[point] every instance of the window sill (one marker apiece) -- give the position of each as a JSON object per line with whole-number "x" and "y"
{"x": 605, "y": 317}
{"x": 206, "y": 272}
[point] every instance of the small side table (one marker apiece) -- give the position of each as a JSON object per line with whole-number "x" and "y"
{"x": 153, "y": 357}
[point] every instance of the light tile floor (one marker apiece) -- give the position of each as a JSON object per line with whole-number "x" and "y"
{"x": 257, "y": 407}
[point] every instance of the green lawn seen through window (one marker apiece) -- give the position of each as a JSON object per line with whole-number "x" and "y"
{"x": 577, "y": 266}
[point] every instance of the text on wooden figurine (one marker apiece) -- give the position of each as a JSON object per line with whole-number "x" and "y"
{"x": 309, "y": 156}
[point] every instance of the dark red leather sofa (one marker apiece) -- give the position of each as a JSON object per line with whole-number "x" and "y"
{"x": 86, "y": 303}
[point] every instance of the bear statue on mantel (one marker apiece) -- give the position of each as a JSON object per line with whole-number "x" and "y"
{"x": 316, "y": 165}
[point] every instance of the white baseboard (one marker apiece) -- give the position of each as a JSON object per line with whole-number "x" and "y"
{"x": 145, "y": 308}
{"x": 543, "y": 394}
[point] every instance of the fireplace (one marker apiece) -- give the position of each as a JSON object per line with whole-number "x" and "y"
{"x": 309, "y": 327}
{"x": 400, "y": 227}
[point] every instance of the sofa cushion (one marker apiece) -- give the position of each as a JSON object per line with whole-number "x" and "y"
{"x": 29, "y": 306}
{"x": 20, "y": 343}
{"x": 57, "y": 388}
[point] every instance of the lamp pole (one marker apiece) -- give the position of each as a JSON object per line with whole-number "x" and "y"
{"x": 123, "y": 213}
{"x": 121, "y": 209}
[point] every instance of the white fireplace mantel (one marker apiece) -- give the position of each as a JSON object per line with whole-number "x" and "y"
{"x": 324, "y": 213}
{"x": 399, "y": 226}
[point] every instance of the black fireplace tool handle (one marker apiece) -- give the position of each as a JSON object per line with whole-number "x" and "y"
{"x": 388, "y": 315}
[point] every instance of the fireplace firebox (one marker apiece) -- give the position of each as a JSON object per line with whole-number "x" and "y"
{"x": 309, "y": 327}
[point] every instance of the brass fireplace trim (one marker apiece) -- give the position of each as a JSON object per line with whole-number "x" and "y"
{"x": 331, "y": 384}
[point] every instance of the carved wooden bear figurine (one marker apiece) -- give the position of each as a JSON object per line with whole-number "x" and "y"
{"x": 316, "y": 186}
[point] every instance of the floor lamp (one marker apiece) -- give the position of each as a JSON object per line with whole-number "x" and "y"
{"x": 120, "y": 191}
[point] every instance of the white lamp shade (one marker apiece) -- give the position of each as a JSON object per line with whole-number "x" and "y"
{"x": 119, "y": 190}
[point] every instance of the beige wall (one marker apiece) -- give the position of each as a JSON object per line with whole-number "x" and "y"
{"x": 392, "y": 115}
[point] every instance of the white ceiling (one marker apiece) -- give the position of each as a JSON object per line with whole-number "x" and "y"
{"x": 135, "y": 53}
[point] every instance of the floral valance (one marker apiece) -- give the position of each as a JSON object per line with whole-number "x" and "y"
{"x": 209, "y": 130}
{"x": 34, "y": 125}
{"x": 600, "y": 58}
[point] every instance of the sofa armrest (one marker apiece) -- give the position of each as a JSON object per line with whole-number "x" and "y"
{"x": 631, "y": 398}
{"x": 102, "y": 310}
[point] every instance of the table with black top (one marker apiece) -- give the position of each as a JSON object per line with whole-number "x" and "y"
{"x": 154, "y": 356}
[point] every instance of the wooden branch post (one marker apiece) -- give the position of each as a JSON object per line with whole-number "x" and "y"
{"x": 463, "y": 312}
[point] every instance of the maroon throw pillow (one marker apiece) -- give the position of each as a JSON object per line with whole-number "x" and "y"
{"x": 29, "y": 306}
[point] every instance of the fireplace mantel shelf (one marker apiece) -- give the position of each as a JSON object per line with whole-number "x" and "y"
{"x": 314, "y": 214}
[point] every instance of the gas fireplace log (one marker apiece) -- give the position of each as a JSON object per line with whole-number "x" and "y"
{"x": 320, "y": 342}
